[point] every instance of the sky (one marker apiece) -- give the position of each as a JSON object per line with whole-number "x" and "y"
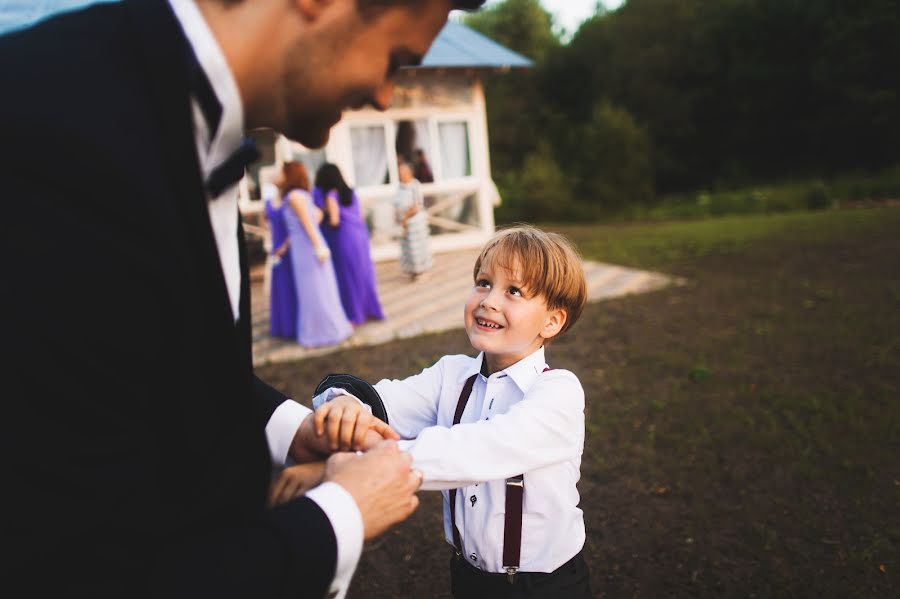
{"x": 568, "y": 14}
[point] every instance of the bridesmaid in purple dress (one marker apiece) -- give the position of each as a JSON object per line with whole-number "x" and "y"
{"x": 282, "y": 295}
{"x": 321, "y": 319}
{"x": 347, "y": 236}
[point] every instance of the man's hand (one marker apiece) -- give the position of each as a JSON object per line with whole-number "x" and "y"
{"x": 295, "y": 481}
{"x": 347, "y": 425}
{"x": 356, "y": 429}
{"x": 380, "y": 481}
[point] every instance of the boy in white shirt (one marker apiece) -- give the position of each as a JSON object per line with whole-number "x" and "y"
{"x": 501, "y": 434}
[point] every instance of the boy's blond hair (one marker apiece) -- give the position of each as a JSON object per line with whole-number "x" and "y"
{"x": 547, "y": 262}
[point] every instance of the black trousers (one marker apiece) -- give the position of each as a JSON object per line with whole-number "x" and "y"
{"x": 569, "y": 581}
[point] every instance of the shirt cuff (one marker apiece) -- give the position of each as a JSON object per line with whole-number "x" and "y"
{"x": 332, "y": 392}
{"x": 407, "y": 446}
{"x": 347, "y": 523}
{"x": 282, "y": 427}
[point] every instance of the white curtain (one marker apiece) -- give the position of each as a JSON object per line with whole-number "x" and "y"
{"x": 454, "y": 150}
{"x": 369, "y": 155}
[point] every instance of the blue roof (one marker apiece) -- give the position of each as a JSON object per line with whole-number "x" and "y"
{"x": 15, "y": 14}
{"x": 458, "y": 46}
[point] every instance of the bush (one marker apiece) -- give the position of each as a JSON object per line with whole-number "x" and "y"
{"x": 540, "y": 190}
{"x": 817, "y": 196}
{"x": 867, "y": 186}
{"x": 610, "y": 158}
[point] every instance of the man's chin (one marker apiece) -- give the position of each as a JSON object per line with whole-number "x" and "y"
{"x": 312, "y": 135}
{"x": 309, "y": 138}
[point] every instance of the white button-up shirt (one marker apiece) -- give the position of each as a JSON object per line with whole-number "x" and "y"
{"x": 519, "y": 420}
{"x": 213, "y": 148}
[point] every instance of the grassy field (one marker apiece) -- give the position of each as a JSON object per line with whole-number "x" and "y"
{"x": 743, "y": 429}
{"x": 847, "y": 189}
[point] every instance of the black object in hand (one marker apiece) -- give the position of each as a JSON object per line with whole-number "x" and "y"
{"x": 358, "y": 387}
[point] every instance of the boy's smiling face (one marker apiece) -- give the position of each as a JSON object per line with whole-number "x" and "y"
{"x": 504, "y": 319}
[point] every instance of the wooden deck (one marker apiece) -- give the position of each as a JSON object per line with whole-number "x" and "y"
{"x": 426, "y": 306}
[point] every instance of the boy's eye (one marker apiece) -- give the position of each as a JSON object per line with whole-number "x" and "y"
{"x": 515, "y": 291}
{"x": 482, "y": 283}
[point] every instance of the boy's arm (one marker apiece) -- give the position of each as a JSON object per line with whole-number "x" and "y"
{"x": 545, "y": 428}
{"x": 411, "y": 403}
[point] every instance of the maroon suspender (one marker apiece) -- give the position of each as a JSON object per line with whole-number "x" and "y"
{"x": 512, "y": 525}
{"x": 460, "y": 407}
{"x": 515, "y": 496}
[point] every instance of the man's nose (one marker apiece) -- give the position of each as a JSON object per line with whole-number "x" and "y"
{"x": 383, "y": 95}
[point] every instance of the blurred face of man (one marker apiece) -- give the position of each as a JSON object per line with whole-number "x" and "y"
{"x": 349, "y": 60}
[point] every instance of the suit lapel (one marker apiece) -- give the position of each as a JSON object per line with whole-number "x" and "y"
{"x": 166, "y": 54}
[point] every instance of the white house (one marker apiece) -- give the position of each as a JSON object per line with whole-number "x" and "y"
{"x": 439, "y": 108}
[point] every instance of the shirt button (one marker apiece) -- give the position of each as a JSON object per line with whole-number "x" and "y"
{"x": 473, "y": 557}
{"x": 473, "y": 499}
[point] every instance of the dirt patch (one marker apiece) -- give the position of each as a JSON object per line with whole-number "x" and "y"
{"x": 743, "y": 430}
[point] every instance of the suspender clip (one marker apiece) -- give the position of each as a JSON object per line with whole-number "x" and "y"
{"x": 515, "y": 482}
{"x": 511, "y": 574}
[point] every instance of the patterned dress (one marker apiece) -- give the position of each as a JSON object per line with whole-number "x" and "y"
{"x": 415, "y": 254}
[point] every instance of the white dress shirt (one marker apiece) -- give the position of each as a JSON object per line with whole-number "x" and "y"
{"x": 212, "y": 150}
{"x": 519, "y": 420}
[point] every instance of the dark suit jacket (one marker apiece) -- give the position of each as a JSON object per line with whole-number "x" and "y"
{"x": 132, "y": 426}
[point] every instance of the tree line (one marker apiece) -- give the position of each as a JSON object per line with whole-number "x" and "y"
{"x": 667, "y": 96}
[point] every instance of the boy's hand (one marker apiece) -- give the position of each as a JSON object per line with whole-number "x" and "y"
{"x": 295, "y": 481}
{"x": 347, "y": 425}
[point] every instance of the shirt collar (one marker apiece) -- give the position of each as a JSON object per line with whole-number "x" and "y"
{"x": 212, "y": 60}
{"x": 522, "y": 372}
{"x": 474, "y": 367}
{"x": 527, "y": 369}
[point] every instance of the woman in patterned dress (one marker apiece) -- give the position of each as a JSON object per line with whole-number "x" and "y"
{"x": 409, "y": 208}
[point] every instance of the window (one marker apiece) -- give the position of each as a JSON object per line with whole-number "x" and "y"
{"x": 413, "y": 143}
{"x": 437, "y": 148}
{"x": 370, "y": 159}
{"x": 454, "y": 140}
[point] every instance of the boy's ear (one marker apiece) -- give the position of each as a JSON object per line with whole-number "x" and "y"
{"x": 555, "y": 322}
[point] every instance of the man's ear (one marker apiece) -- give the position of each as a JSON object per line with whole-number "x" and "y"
{"x": 313, "y": 9}
{"x": 554, "y": 324}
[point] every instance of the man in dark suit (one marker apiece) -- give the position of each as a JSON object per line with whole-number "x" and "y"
{"x": 136, "y": 441}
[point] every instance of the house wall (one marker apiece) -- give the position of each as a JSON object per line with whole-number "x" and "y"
{"x": 440, "y": 104}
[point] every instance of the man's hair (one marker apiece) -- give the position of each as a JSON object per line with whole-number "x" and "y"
{"x": 458, "y": 4}
{"x": 548, "y": 264}
{"x": 368, "y": 5}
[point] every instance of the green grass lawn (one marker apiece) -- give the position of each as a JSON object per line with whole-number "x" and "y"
{"x": 667, "y": 245}
{"x": 743, "y": 430}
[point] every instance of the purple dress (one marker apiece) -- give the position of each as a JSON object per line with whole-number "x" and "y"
{"x": 349, "y": 243}
{"x": 282, "y": 295}
{"x": 320, "y": 320}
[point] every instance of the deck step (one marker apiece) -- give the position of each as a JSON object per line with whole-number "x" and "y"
{"x": 429, "y": 305}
